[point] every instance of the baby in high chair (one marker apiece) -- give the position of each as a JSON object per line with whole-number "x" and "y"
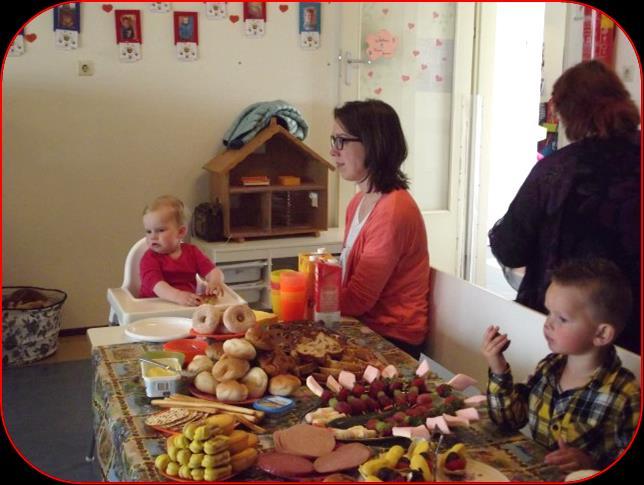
{"x": 169, "y": 267}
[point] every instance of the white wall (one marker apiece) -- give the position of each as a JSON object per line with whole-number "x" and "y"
{"x": 83, "y": 155}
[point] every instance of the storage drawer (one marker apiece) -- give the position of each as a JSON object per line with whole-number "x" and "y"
{"x": 251, "y": 292}
{"x": 242, "y": 272}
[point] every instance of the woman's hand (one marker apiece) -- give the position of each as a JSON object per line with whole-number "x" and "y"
{"x": 569, "y": 459}
{"x": 492, "y": 349}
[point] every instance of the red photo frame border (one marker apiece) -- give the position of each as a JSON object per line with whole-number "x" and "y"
{"x": 195, "y": 23}
{"x": 249, "y": 16}
{"x": 118, "y": 14}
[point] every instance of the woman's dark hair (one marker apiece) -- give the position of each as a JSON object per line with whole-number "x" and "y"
{"x": 378, "y": 127}
{"x": 592, "y": 101}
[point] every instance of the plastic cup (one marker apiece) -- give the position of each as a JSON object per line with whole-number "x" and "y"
{"x": 293, "y": 296}
{"x": 275, "y": 290}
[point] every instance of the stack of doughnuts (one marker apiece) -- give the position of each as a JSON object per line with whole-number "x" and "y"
{"x": 210, "y": 319}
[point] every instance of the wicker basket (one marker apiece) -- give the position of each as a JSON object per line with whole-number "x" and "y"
{"x": 31, "y": 335}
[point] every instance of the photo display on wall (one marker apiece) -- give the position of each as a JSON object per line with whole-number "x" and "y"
{"x": 255, "y": 19}
{"x": 129, "y": 36}
{"x": 67, "y": 25}
{"x": 186, "y": 35}
{"x": 310, "y": 20}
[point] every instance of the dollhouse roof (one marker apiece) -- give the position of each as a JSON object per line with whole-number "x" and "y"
{"x": 230, "y": 158}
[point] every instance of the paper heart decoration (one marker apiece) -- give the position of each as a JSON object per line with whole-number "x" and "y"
{"x": 404, "y": 77}
{"x": 283, "y": 8}
{"x": 107, "y": 7}
{"x": 423, "y": 66}
{"x": 411, "y": 25}
{"x": 415, "y": 53}
{"x": 438, "y": 42}
{"x": 385, "y": 11}
{"x": 370, "y": 74}
{"x": 377, "y": 90}
{"x": 443, "y": 59}
{"x": 30, "y": 37}
{"x": 435, "y": 14}
{"x": 234, "y": 18}
{"x": 438, "y": 78}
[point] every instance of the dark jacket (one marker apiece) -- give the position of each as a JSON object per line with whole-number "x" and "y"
{"x": 581, "y": 201}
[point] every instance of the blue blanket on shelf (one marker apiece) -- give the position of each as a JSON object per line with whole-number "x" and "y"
{"x": 257, "y": 116}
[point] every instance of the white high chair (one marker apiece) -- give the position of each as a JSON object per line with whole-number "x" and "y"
{"x": 125, "y": 307}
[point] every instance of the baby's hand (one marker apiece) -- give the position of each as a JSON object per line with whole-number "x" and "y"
{"x": 492, "y": 348}
{"x": 215, "y": 289}
{"x": 186, "y": 298}
{"x": 569, "y": 459}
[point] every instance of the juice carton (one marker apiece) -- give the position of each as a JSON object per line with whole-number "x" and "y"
{"x": 328, "y": 284}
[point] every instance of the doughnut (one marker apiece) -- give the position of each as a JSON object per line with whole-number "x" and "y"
{"x": 240, "y": 348}
{"x": 206, "y": 319}
{"x": 238, "y": 318}
{"x": 228, "y": 368}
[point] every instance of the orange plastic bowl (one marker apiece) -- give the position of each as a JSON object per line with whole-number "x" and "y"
{"x": 190, "y": 347}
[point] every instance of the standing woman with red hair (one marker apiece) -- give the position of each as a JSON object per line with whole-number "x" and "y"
{"x": 583, "y": 200}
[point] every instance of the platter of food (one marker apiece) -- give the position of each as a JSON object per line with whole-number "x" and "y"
{"x": 171, "y": 421}
{"x": 475, "y": 471}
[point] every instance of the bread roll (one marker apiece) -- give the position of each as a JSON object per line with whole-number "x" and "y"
{"x": 205, "y": 382}
{"x": 240, "y": 348}
{"x": 215, "y": 350}
{"x": 257, "y": 381}
{"x": 258, "y": 336}
{"x": 231, "y": 390}
{"x": 199, "y": 364}
{"x": 228, "y": 368}
{"x": 283, "y": 385}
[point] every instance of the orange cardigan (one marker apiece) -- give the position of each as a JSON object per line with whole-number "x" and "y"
{"x": 387, "y": 275}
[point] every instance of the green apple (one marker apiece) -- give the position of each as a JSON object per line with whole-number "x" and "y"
{"x": 195, "y": 460}
{"x": 183, "y": 456}
{"x": 197, "y": 474}
{"x": 196, "y": 446}
{"x": 172, "y": 469}
{"x": 161, "y": 462}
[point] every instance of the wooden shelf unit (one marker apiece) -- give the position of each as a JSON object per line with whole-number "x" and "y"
{"x": 271, "y": 210}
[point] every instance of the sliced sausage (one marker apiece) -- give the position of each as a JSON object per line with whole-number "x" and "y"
{"x": 306, "y": 440}
{"x": 347, "y": 456}
{"x": 283, "y": 465}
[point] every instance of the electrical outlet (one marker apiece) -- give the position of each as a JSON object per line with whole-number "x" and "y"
{"x": 85, "y": 68}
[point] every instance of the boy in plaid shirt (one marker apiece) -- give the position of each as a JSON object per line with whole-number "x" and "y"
{"x": 580, "y": 402}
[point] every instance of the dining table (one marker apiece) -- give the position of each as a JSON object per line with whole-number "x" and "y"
{"x": 126, "y": 447}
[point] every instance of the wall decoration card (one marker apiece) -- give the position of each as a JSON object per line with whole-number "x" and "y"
{"x": 18, "y": 45}
{"x": 160, "y": 7}
{"x": 129, "y": 36}
{"x": 255, "y": 19}
{"x": 67, "y": 25}
{"x": 310, "y": 25}
{"x": 186, "y": 35}
{"x": 216, "y": 10}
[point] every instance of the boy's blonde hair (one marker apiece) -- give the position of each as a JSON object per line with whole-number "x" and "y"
{"x": 168, "y": 202}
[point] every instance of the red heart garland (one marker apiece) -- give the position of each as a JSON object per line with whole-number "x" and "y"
{"x": 423, "y": 66}
{"x": 434, "y": 14}
{"x": 377, "y": 90}
{"x": 438, "y": 43}
{"x": 411, "y": 25}
{"x": 30, "y": 37}
{"x": 107, "y": 7}
{"x": 404, "y": 77}
{"x": 234, "y": 18}
{"x": 385, "y": 11}
{"x": 438, "y": 78}
{"x": 283, "y": 8}
{"x": 416, "y": 52}
{"x": 370, "y": 74}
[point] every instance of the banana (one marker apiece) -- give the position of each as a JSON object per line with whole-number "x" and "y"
{"x": 393, "y": 455}
{"x": 372, "y": 466}
{"x": 244, "y": 459}
{"x": 459, "y": 450}
{"x": 225, "y": 422}
{"x": 418, "y": 462}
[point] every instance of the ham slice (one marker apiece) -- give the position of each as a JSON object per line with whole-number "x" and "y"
{"x": 313, "y": 386}
{"x": 390, "y": 371}
{"x": 304, "y": 440}
{"x": 283, "y": 465}
{"x": 423, "y": 368}
{"x": 437, "y": 422}
{"x": 470, "y": 414}
{"x": 347, "y": 379}
{"x": 461, "y": 381}
{"x": 332, "y": 384}
{"x": 371, "y": 373}
{"x": 347, "y": 456}
{"x": 455, "y": 420}
{"x": 477, "y": 400}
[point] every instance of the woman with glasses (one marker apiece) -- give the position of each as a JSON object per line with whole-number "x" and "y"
{"x": 385, "y": 261}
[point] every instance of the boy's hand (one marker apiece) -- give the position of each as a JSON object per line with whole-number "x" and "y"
{"x": 186, "y": 298}
{"x": 215, "y": 289}
{"x": 492, "y": 349}
{"x": 214, "y": 283}
{"x": 569, "y": 459}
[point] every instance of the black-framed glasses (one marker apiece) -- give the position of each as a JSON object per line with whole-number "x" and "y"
{"x": 337, "y": 142}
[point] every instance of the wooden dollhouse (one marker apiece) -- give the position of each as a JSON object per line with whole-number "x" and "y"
{"x": 274, "y": 185}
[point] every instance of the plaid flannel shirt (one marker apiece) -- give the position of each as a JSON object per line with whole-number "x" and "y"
{"x": 599, "y": 418}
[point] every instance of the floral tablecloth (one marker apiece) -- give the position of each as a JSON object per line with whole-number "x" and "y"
{"x": 126, "y": 447}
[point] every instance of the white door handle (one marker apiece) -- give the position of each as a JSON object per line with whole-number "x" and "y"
{"x": 349, "y": 61}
